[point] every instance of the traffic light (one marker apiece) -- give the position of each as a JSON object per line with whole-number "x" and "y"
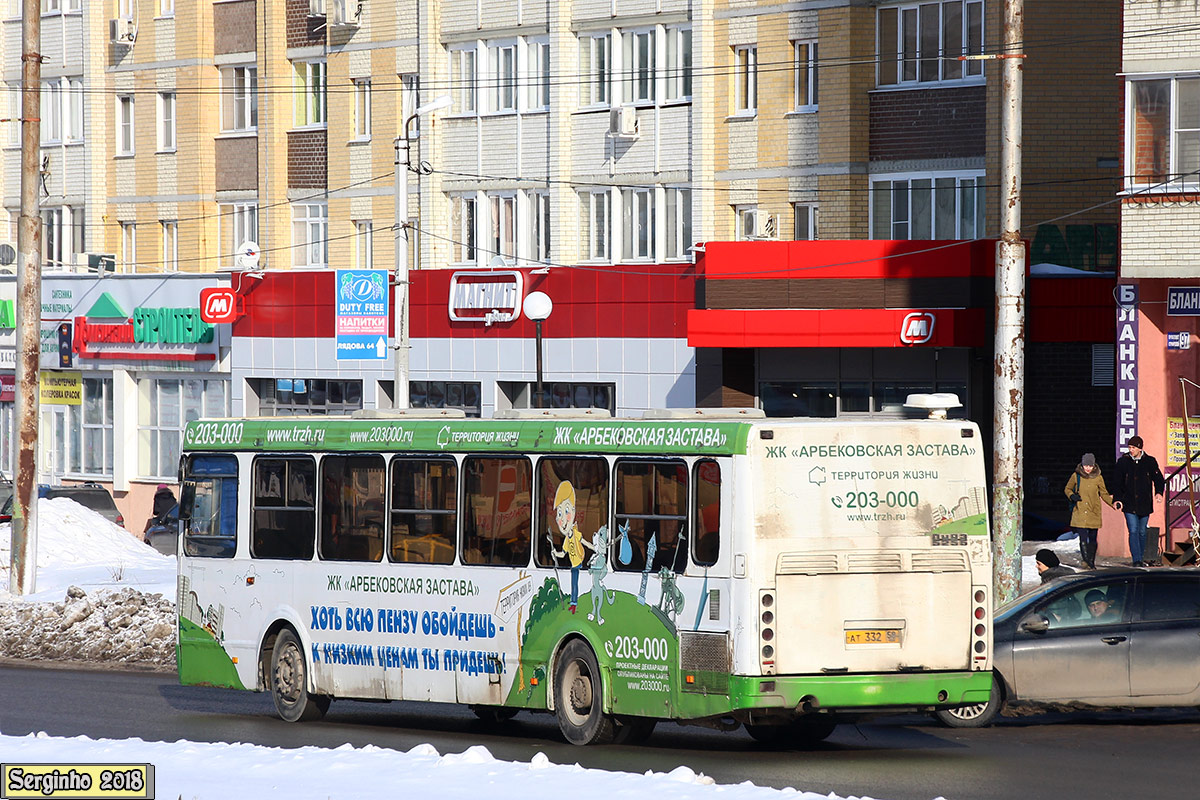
{"x": 64, "y": 344}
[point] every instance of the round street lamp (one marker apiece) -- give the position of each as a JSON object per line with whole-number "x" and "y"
{"x": 537, "y": 307}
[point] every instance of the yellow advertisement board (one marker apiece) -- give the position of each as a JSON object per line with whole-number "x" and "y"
{"x": 1176, "y": 454}
{"x": 61, "y": 388}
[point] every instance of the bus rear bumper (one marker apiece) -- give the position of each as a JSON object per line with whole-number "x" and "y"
{"x": 866, "y": 692}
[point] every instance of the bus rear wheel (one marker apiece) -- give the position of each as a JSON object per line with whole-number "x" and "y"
{"x": 579, "y": 697}
{"x": 289, "y": 682}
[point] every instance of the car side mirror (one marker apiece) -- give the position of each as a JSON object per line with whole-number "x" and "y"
{"x": 1036, "y": 623}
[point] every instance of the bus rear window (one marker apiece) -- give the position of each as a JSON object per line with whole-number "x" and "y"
{"x": 352, "y": 503}
{"x": 497, "y": 509}
{"x": 208, "y": 506}
{"x": 424, "y": 510}
{"x": 284, "y": 513}
{"x": 651, "y": 513}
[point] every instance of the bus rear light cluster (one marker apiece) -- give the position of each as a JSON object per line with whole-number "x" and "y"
{"x": 979, "y": 634}
{"x": 765, "y": 632}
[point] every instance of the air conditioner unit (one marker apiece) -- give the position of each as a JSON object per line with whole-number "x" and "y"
{"x": 766, "y": 226}
{"x": 347, "y": 13}
{"x": 122, "y": 31}
{"x": 623, "y": 122}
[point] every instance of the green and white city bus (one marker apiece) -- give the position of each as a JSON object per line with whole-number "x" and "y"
{"x": 702, "y": 566}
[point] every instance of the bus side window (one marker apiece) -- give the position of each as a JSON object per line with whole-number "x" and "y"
{"x": 497, "y": 511}
{"x": 424, "y": 510}
{"x": 572, "y": 494}
{"x": 652, "y": 512}
{"x": 352, "y": 508}
{"x": 283, "y": 515}
{"x": 209, "y": 506}
{"x": 706, "y": 513}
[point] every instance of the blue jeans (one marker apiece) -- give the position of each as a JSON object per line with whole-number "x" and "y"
{"x": 1137, "y": 534}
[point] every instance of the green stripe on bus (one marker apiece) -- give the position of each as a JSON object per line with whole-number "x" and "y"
{"x": 871, "y": 691}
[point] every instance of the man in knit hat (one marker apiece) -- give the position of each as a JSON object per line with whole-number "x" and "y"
{"x": 1049, "y": 567}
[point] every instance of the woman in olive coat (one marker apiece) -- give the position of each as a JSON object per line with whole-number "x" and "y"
{"x": 1085, "y": 489}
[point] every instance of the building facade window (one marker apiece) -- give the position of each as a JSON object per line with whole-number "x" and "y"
{"x": 539, "y": 226}
{"x": 166, "y": 8}
{"x": 805, "y": 80}
{"x": 97, "y": 426}
{"x": 502, "y": 73}
{"x": 463, "y": 228}
{"x": 537, "y": 75}
{"x": 238, "y": 223}
{"x": 927, "y": 206}
{"x": 561, "y": 394}
{"x": 639, "y": 53}
{"x": 362, "y": 108}
{"x": 410, "y": 98}
{"x": 166, "y": 122}
{"x": 746, "y": 79}
{"x": 463, "y": 395}
{"x": 464, "y": 79}
{"x": 125, "y": 137}
{"x": 289, "y": 397}
{"x": 637, "y": 224}
{"x": 502, "y": 219}
{"x": 62, "y": 110}
{"x": 921, "y": 42}
{"x": 678, "y": 70}
{"x": 805, "y": 221}
{"x": 595, "y": 66}
{"x": 129, "y": 247}
{"x": 239, "y": 99}
{"x": 595, "y": 224}
{"x": 165, "y": 406}
{"x": 364, "y": 244}
{"x": 677, "y": 222}
{"x": 308, "y": 84}
{"x": 62, "y": 235}
{"x": 1163, "y": 133}
{"x": 310, "y": 234}
{"x": 170, "y": 245}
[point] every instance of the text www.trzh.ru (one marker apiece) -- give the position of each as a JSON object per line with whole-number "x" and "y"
{"x": 881, "y": 516}
{"x": 300, "y": 434}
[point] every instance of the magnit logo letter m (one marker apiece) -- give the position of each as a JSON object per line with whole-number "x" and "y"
{"x": 218, "y": 305}
{"x": 917, "y": 327}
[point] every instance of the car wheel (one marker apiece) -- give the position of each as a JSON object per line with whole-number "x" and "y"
{"x": 579, "y": 697}
{"x": 289, "y": 682}
{"x": 977, "y": 715}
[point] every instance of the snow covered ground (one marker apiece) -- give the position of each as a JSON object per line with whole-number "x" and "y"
{"x": 103, "y": 596}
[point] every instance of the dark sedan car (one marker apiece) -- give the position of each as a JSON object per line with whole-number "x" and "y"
{"x": 1124, "y": 636}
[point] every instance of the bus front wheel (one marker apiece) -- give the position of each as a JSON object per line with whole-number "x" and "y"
{"x": 579, "y": 697}
{"x": 289, "y": 682}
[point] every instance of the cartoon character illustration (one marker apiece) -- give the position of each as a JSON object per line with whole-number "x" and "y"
{"x": 598, "y": 569}
{"x": 651, "y": 549}
{"x": 573, "y": 541}
{"x": 671, "y": 602}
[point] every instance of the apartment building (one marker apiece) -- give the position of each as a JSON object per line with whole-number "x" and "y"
{"x": 1159, "y": 287}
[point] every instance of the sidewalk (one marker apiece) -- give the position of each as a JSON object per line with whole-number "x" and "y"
{"x": 1067, "y": 552}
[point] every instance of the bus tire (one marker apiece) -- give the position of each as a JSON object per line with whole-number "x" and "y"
{"x": 977, "y": 715}
{"x": 289, "y": 682}
{"x": 579, "y": 697}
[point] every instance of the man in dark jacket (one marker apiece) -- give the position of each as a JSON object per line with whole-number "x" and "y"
{"x": 1049, "y": 566}
{"x": 1137, "y": 484}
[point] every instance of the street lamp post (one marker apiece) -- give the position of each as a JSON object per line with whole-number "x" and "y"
{"x": 537, "y": 307}
{"x": 402, "y": 168}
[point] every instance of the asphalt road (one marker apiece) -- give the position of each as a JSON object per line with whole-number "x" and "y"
{"x": 1059, "y": 755}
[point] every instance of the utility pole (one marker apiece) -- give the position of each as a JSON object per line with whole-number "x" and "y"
{"x": 1009, "y": 381}
{"x": 23, "y": 567}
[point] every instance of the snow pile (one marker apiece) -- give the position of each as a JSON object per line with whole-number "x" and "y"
{"x": 101, "y": 594}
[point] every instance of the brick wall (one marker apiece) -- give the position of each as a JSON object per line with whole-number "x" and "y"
{"x": 235, "y": 27}
{"x": 236, "y": 163}
{"x": 306, "y": 159}
{"x": 928, "y": 123}
{"x": 1065, "y": 417}
{"x": 303, "y": 30}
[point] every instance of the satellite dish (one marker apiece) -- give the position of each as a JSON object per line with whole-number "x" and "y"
{"x": 246, "y": 256}
{"x": 7, "y": 254}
